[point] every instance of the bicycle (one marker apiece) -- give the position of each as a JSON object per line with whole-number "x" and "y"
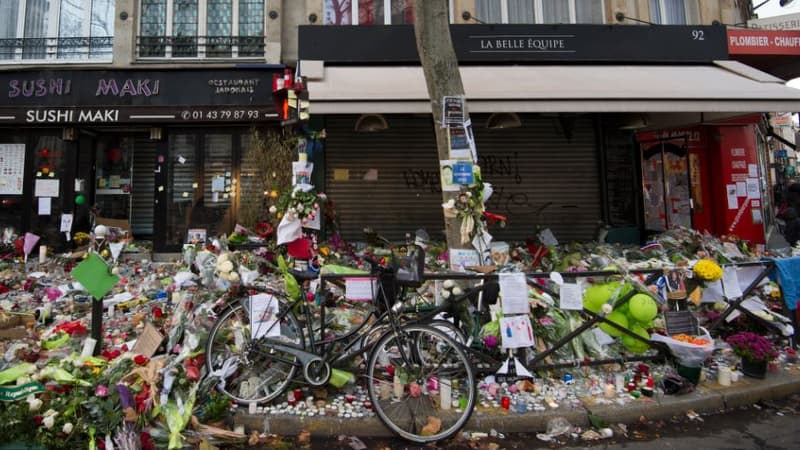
{"x": 257, "y": 358}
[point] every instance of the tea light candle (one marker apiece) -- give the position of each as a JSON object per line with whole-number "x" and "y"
{"x": 724, "y": 376}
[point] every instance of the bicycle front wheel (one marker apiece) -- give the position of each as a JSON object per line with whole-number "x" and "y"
{"x": 421, "y": 383}
{"x": 249, "y": 369}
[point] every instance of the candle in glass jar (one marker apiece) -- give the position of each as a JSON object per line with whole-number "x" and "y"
{"x": 446, "y": 394}
{"x": 610, "y": 390}
{"x": 724, "y": 376}
{"x": 398, "y": 387}
{"x": 42, "y": 254}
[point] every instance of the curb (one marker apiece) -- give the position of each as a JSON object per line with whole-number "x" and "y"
{"x": 709, "y": 397}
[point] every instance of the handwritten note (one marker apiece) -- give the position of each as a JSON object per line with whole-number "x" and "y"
{"x": 514, "y": 293}
{"x": 360, "y": 289}
{"x": 264, "y": 313}
{"x": 570, "y": 296}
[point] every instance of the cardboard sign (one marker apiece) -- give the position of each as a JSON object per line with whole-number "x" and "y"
{"x": 148, "y": 342}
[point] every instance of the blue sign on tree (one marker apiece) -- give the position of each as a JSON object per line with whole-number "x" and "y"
{"x": 462, "y": 173}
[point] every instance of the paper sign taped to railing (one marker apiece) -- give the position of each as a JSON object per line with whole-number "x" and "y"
{"x": 264, "y": 312}
{"x": 360, "y": 289}
{"x": 570, "y": 297}
{"x": 730, "y": 283}
{"x": 516, "y": 331}
{"x": 514, "y": 293}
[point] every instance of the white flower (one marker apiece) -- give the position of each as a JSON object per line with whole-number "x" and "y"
{"x": 607, "y": 308}
{"x": 225, "y": 267}
{"x": 223, "y": 257}
{"x": 448, "y": 284}
{"x": 450, "y": 204}
{"x": 233, "y": 276}
{"x": 49, "y": 421}
{"x": 457, "y": 291}
{"x": 273, "y": 209}
{"x": 445, "y": 294}
{"x": 299, "y": 207}
{"x": 67, "y": 428}
{"x": 33, "y": 403}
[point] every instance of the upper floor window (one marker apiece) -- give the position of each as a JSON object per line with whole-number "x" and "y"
{"x": 675, "y": 12}
{"x": 539, "y": 11}
{"x": 49, "y": 30}
{"x": 368, "y": 12}
{"x": 202, "y": 28}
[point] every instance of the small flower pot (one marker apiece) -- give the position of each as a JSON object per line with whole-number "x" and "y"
{"x": 754, "y": 369}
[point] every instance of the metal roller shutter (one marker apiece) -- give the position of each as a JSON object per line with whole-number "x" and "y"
{"x": 143, "y": 189}
{"x": 528, "y": 167}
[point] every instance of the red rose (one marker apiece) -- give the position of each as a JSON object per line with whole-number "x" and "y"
{"x": 147, "y": 441}
{"x": 141, "y": 359}
{"x": 192, "y": 373}
{"x": 38, "y": 419}
{"x": 157, "y": 312}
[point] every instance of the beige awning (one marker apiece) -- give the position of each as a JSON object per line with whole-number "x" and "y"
{"x": 724, "y": 87}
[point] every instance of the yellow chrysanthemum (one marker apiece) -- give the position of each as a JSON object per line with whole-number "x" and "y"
{"x": 707, "y": 270}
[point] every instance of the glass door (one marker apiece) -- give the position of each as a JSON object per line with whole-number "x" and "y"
{"x": 666, "y": 186}
{"x": 199, "y": 187}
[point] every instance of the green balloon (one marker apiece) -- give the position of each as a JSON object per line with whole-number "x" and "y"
{"x": 80, "y": 199}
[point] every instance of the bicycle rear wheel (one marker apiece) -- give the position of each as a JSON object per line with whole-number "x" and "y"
{"x": 250, "y": 370}
{"x": 421, "y": 383}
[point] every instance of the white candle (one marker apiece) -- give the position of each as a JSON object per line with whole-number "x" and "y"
{"x": 398, "y": 387}
{"x": 302, "y": 157}
{"x": 445, "y": 392}
{"x": 251, "y": 408}
{"x": 42, "y": 254}
{"x": 724, "y": 376}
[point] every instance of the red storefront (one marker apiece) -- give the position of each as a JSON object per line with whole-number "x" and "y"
{"x": 707, "y": 177}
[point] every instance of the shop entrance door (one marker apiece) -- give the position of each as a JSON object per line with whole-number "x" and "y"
{"x": 666, "y": 185}
{"x": 124, "y": 184}
{"x": 197, "y": 191}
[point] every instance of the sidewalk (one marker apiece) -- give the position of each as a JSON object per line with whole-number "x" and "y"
{"x": 708, "y": 397}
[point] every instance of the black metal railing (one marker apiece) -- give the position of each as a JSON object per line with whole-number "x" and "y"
{"x": 56, "y": 48}
{"x": 200, "y": 46}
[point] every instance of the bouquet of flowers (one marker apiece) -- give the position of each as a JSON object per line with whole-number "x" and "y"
{"x": 752, "y": 347}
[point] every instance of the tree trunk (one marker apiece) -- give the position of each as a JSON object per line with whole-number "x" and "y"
{"x": 442, "y": 77}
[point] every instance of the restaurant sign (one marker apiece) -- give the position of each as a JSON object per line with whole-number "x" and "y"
{"x": 63, "y": 97}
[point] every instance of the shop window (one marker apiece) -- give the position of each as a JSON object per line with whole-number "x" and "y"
{"x": 675, "y": 12}
{"x": 56, "y": 29}
{"x": 12, "y": 183}
{"x": 540, "y": 11}
{"x": 368, "y": 12}
{"x": 49, "y": 170}
{"x": 201, "y": 29}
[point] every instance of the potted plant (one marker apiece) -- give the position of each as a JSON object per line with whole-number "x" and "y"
{"x": 755, "y": 350}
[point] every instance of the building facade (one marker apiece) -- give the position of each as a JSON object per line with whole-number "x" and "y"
{"x": 147, "y": 110}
